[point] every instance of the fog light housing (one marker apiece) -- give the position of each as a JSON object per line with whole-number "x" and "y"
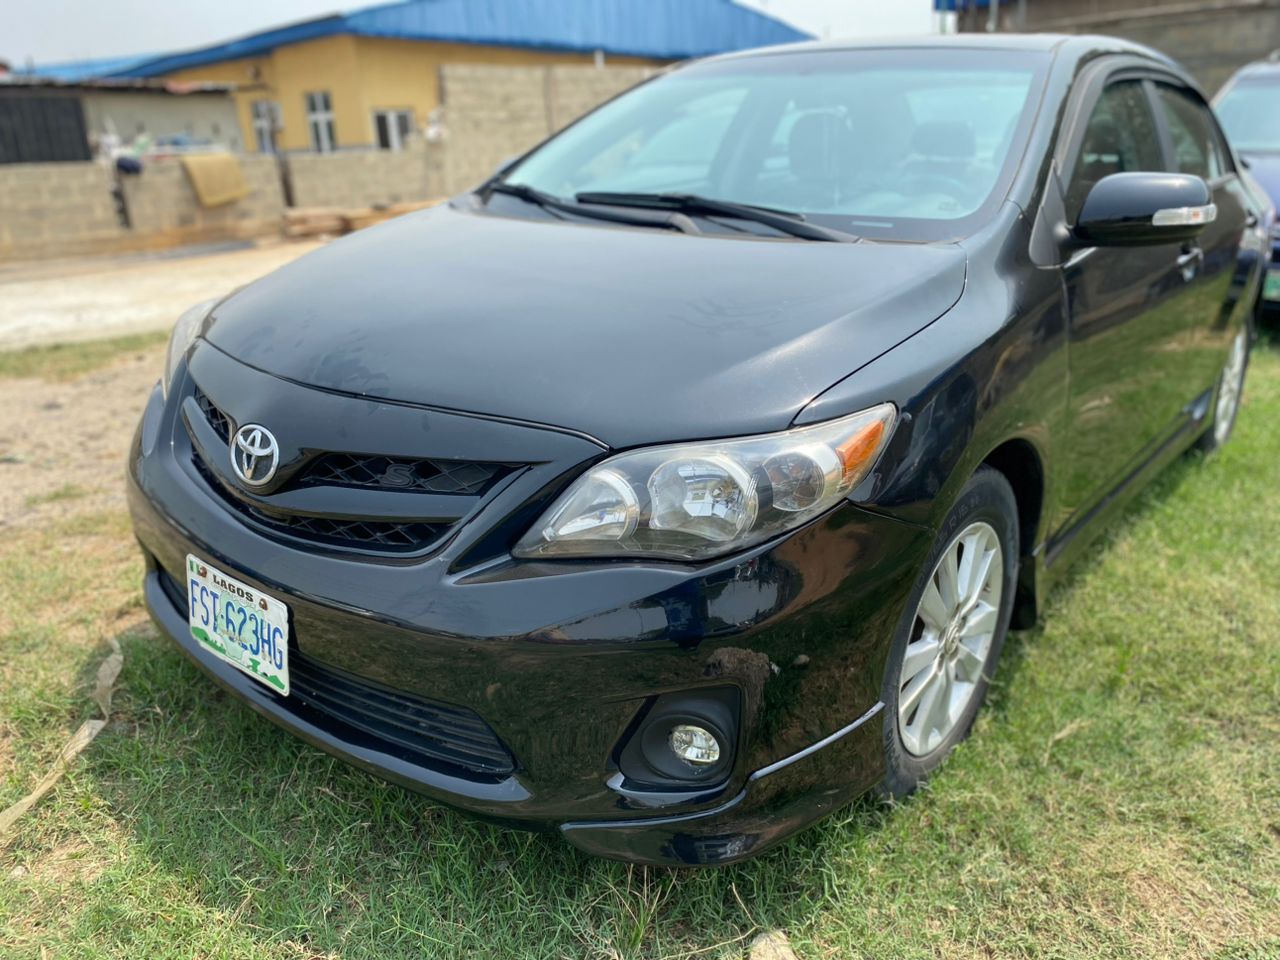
{"x": 682, "y": 740}
{"x": 694, "y": 744}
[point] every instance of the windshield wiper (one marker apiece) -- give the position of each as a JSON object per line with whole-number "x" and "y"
{"x": 784, "y": 221}
{"x": 665, "y": 217}
{"x": 524, "y": 192}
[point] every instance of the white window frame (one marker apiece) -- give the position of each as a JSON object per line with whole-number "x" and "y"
{"x": 396, "y": 140}
{"x": 266, "y": 121}
{"x": 320, "y": 125}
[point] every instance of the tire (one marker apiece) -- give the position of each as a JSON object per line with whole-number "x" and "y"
{"x": 1226, "y": 400}
{"x": 984, "y": 515}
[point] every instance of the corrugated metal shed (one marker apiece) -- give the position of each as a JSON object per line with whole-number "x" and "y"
{"x": 659, "y": 29}
{"x": 74, "y": 71}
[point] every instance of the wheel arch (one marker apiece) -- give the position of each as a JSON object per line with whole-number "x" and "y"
{"x": 1020, "y": 463}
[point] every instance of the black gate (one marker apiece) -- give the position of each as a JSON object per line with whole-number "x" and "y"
{"x": 39, "y": 126}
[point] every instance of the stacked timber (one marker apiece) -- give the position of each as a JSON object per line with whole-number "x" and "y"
{"x": 335, "y": 221}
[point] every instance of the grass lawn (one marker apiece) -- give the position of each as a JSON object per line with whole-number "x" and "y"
{"x": 1120, "y": 796}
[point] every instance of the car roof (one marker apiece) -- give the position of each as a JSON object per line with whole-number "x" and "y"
{"x": 1260, "y": 68}
{"x": 1071, "y": 46}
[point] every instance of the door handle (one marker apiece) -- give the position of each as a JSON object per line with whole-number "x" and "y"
{"x": 1189, "y": 262}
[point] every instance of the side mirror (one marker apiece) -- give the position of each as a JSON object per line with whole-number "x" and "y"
{"x": 1136, "y": 209}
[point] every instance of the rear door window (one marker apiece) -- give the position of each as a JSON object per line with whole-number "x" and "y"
{"x": 1197, "y": 148}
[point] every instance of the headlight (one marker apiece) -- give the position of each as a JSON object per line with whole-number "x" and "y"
{"x": 691, "y": 501}
{"x": 184, "y": 331}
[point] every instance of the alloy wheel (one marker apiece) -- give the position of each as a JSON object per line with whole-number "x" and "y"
{"x": 1230, "y": 390}
{"x": 951, "y": 638}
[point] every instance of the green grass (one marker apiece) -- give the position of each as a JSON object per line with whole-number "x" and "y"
{"x": 66, "y": 361}
{"x": 1120, "y": 796}
{"x": 68, "y": 491}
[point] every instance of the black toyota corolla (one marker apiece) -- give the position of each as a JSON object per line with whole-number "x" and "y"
{"x": 680, "y": 483}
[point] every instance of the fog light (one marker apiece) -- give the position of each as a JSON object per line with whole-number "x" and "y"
{"x": 694, "y": 744}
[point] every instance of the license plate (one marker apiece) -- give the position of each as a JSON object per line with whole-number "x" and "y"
{"x": 239, "y": 624}
{"x": 1271, "y": 289}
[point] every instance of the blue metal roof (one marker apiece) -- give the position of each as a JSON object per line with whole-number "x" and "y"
{"x": 659, "y": 29}
{"x": 74, "y": 71}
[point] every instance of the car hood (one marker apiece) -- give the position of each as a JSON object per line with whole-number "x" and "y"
{"x": 628, "y": 335}
{"x": 1265, "y": 168}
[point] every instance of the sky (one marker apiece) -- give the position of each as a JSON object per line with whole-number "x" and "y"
{"x": 48, "y": 31}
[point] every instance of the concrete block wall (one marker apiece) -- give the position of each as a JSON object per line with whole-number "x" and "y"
{"x": 53, "y": 209}
{"x": 1211, "y": 38}
{"x": 366, "y": 178}
{"x": 490, "y": 114}
{"x": 494, "y": 113}
{"x": 574, "y": 90}
{"x": 163, "y": 204}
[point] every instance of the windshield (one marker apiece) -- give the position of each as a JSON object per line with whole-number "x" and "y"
{"x": 904, "y": 144}
{"x": 1250, "y": 113}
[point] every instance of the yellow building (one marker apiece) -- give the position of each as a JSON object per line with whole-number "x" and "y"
{"x": 372, "y": 78}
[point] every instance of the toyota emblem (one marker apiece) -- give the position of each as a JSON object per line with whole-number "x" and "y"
{"x": 255, "y": 455}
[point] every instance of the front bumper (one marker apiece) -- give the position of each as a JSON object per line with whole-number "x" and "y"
{"x": 560, "y": 660}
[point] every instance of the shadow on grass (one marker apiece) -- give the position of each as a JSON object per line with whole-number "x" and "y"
{"x": 296, "y": 846}
{"x": 1144, "y": 502}
{"x": 257, "y": 824}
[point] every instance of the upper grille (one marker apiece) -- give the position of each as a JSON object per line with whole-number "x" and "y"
{"x": 398, "y": 473}
{"x": 460, "y": 478}
{"x": 419, "y": 731}
{"x": 220, "y": 422}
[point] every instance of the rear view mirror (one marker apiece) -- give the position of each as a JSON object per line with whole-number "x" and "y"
{"x": 1135, "y": 209}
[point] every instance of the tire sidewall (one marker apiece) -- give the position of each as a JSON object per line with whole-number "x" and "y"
{"x": 987, "y": 497}
{"x": 1209, "y": 441}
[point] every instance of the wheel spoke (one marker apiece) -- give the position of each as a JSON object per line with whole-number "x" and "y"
{"x": 948, "y": 585}
{"x": 924, "y": 715}
{"x": 932, "y": 610}
{"x": 971, "y": 660}
{"x": 981, "y": 621}
{"x": 909, "y": 698}
{"x": 980, "y": 580}
{"x": 920, "y": 655}
{"x": 966, "y": 584}
{"x": 939, "y": 716}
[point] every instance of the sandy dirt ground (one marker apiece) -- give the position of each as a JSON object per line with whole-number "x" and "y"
{"x": 63, "y": 444}
{"x": 91, "y": 298}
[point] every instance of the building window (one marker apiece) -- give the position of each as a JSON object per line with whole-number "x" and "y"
{"x": 320, "y": 121}
{"x": 392, "y": 128}
{"x": 266, "y": 121}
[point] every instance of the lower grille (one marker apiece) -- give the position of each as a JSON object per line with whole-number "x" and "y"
{"x": 380, "y": 533}
{"x": 452, "y": 735}
{"x": 338, "y": 532}
{"x": 436, "y": 735}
